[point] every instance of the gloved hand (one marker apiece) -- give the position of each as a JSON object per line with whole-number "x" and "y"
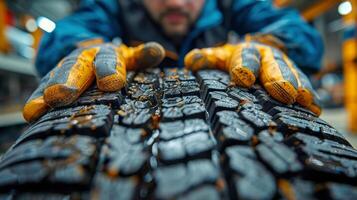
{"x": 75, "y": 73}
{"x": 248, "y": 61}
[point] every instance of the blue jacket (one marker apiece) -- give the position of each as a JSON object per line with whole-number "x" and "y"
{"x": 128, "y": 20}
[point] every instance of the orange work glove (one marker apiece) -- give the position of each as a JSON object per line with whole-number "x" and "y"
{"x": 75, "y": 73}
{"x": 248, "y": 61}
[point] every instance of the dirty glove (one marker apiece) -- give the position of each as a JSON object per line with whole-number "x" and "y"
{"x": 248, "y": 61}
{"x": 75, "y": 73}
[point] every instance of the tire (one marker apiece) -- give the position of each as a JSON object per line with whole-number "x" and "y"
{"x": 178, "y": 135}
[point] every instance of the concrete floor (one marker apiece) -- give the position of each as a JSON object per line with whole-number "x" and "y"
{"x": 338, "y": 119}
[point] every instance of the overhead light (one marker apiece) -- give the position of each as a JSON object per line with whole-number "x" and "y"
{"x": 46, "y": 24}
{"x": 31, "y": 25}
{"x": 345, "y": 8}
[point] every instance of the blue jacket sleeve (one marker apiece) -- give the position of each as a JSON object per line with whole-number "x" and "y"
{"x": 303, "y": 43}
{"x": 93, "y": 19}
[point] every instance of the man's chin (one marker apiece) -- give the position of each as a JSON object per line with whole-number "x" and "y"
{"x": 175, "y": 32}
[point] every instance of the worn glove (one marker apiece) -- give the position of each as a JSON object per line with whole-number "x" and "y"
{"x": 248, "y": 61}
{"x": 75, "y": 73}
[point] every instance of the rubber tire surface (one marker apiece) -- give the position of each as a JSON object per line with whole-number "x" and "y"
{"x": 176, "y": 135}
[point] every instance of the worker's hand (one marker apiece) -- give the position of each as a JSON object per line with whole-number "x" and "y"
{"x": 75, "y": 73}
{"x": 248, "y": 61}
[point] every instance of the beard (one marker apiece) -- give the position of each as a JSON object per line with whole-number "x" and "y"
{"x": 175, "y": 23}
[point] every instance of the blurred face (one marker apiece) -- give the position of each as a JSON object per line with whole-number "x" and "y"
{"x": 174, "y": 16}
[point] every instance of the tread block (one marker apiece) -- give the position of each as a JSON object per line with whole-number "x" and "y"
{"x": 171, "y": 130}
{"x": 232, "y": 135}
{"x": 242, "y": 95}
{"x": 41, "y": 196}
{"x": 172, "y": 114}
{"x": 322, "y": 157}
{"x": 131, "y": 135}
{"x": 290, "y": 125}
{"x": 258, "y": 119}
{"x": 211, "y": 86}
{"x": 297, "y": 189}
{"x": 148, "y": 78}
{"x": 250, "y": 105}
{"x": 122, "y": 157}
{"x": 94, "y": 96}
{"x": 229, "y": 118}
{"x": 217, "y": 75}
{"x": 184, "y": 177}
{"x": 230, "y": 130}
{"x": 277, "y": 155}
{"x": 111, "y": 188}
{"x": 341, "y": 191}
{"x": 192, "y": 146}
{"x": 179, "y": 102}
{"x": 180, "y": 89}
{"x": 266, "y": 101}
{"x": 189, "y": 107}
{"x": 297, "y": 107}
{"x": 175, "y": 75}
{"x": 247, "y": 178}
{"x": 99, "y": 110}
{"x": 278, "y": 111}
{"x": 142, "y": 92}
{"x": 207, "y": 192}
{"x": 66, "y": 162}
{"x": 324, "y": 145}
{"x": 172, "y": 151}
{"x": 190, "y": 88}
{"x": 136, "y": 119}
{"x": 136, "y": 114}
{"x": 219, "y": 101}
{"x": 94, "y": 121}
{"x": 199, "y": 144}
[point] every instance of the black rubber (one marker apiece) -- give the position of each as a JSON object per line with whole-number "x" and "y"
{"x": 176, "y": 135}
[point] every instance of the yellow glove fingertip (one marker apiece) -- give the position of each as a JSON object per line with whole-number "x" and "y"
{"x": 282, "y": 91}
{"x": 195, "y": 60}
{"x": 34, "y": 109}
{"x": 315, "y": 109}
{"x": 242, "y": 76}
{"x": 304, "y": 98}
{"x": 143, "y": 56}
{"x": 152, "y": 54}
{"x": 60, "y": 95}
{"x": 112, "y": 82}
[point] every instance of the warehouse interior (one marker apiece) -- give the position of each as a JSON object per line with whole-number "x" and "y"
{"x": 23, "y": 22}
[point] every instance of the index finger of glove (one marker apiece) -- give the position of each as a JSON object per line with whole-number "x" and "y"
{"x": 70, "y": 78}
{"x": 244, "y": 65}
{"x": 146, "y": 55}
{"x": 110, "y": 68}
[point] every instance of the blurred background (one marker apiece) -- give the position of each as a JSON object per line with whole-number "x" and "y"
{"x": 22, "y": 22}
